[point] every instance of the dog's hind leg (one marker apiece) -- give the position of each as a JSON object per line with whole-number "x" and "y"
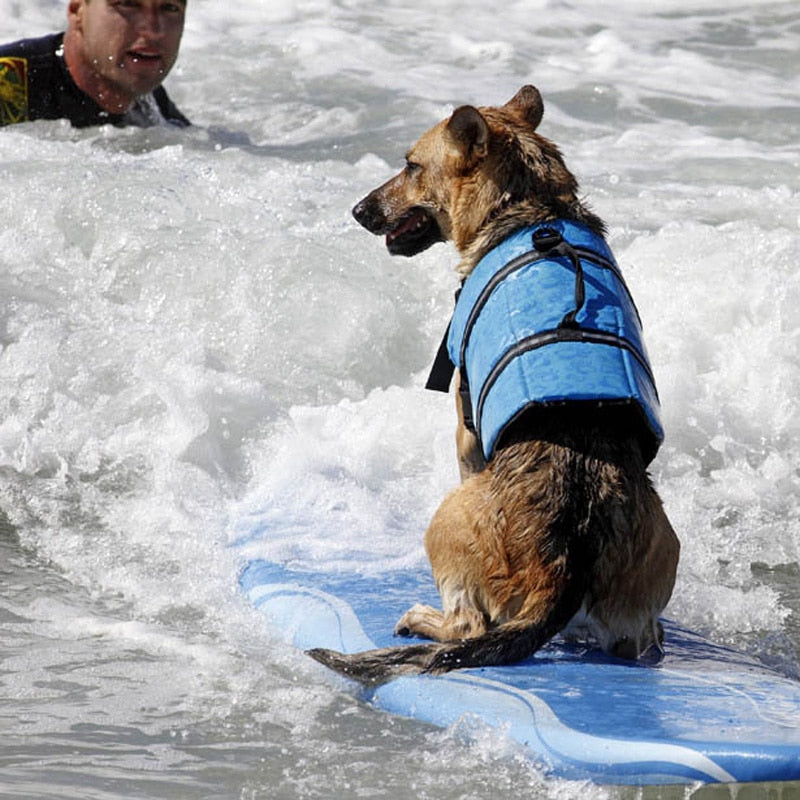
{"x": 459, "y": 619}
{"x": 633, "y": 584}
{"x": 511, "y": 556}
{"x": 496, "y": 561}
{"x": 449, "y": 542}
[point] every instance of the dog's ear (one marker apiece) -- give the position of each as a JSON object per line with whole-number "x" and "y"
{"x": 527, "y": 104}
{"x": 469, "y": 133}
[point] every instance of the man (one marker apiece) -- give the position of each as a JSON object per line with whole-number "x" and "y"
{"x": 106, "y": 68}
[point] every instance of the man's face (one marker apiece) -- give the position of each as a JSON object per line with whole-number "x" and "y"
{"x": 130, "y": 44}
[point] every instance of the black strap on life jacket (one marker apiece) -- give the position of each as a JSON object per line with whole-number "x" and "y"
{"x": 442, "y": 368}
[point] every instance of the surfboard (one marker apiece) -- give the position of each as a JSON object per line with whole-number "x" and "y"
{"x": 701, "y": 713}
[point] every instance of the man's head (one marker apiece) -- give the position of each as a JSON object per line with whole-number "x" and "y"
{"x": 118, "y": 50}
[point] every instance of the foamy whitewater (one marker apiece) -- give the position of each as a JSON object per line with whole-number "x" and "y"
{"x": 192, "y": 327}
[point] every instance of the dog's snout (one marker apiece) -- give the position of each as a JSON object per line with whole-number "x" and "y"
{"x": 367, "y": 212}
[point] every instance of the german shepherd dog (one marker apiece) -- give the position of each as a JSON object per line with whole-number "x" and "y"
{"x": 561, "y": 528}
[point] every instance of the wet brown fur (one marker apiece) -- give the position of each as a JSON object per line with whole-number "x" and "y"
{"x": 562, "y": 527}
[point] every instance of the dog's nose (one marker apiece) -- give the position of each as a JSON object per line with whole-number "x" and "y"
{"x": 368, "y": 213}
{"x": 360, "y": 211}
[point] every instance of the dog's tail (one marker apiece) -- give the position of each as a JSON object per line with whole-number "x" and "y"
{"x": 507, "y": 643}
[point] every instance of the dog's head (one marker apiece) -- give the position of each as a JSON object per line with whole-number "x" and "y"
{"x": 465, "y": 171}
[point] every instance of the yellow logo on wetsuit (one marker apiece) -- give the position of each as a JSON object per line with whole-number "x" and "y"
{"x": 13, "y": 90}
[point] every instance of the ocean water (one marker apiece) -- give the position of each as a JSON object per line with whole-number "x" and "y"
{"x": 192, "y": 326}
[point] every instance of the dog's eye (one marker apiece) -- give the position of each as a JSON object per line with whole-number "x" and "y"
{"x": 412, "y": 166}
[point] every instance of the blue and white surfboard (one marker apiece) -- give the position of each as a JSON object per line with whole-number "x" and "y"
{"x": 702, "y": 713}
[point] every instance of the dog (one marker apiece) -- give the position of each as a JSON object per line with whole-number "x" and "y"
{"x": 555, "y": 526}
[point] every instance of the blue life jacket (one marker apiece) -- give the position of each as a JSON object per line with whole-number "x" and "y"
{"x": 546, "y": 319}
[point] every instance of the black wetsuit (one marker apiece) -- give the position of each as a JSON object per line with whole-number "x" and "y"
{"x": 35, "y": 84}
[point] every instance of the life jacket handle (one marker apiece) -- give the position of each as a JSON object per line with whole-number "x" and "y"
{"x": 549, "y": 242}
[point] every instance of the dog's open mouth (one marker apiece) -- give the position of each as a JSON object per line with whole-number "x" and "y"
{"x": 415, "y": 232}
